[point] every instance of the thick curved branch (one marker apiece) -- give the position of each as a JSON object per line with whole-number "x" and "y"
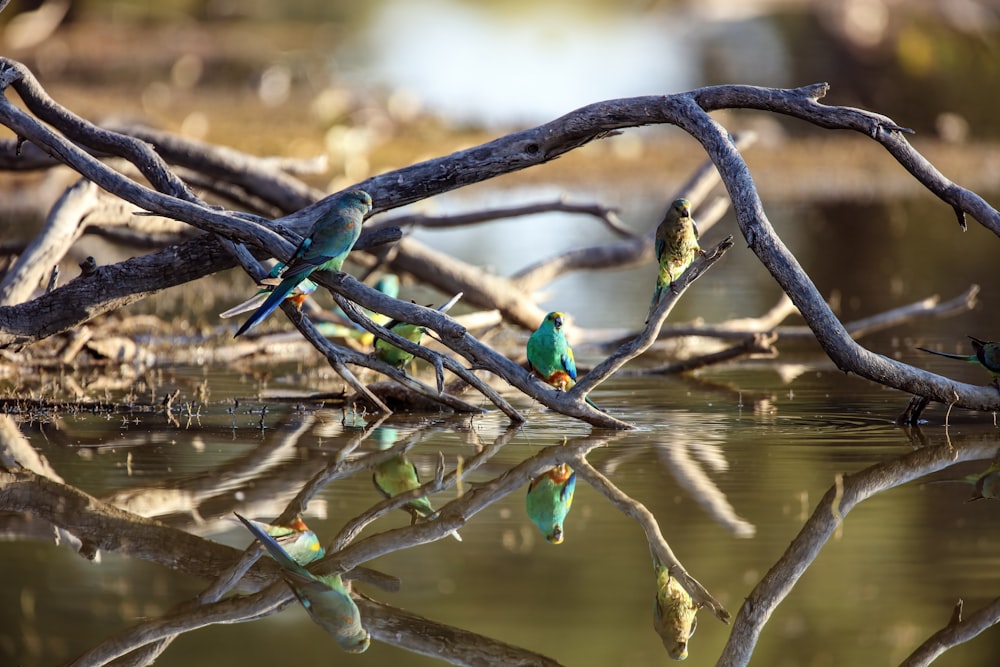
{"x": 832, "y": 509}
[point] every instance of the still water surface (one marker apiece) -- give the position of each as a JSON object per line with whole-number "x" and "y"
{"x": 763, "y": 451}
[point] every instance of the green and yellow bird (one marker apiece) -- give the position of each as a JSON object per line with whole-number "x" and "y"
{"x": 674, "y": 613}
{"x": 398, "y": 475}
{"x": 550, "y": 356}
{"x": 392, "y": 355}
{"x": 298, "y": 541}
{"x": 550, "y": 496}
{"x": 985, "y": 353}
{"x": 324, "y": 248}
{"x": 327, "y": 600}
{"x": 676, "y": 247}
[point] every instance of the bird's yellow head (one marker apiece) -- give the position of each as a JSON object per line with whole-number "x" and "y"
{"x": 556, "y": 318}
{"x": 682, "y": 207}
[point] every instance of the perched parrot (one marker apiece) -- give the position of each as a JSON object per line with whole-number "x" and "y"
{"x": 676, "y": 246}
{"x": 551, "y": 357}
{"x": 398, "y": 475}
{"x": 325, "y": 598}
{"x": 550, "y": 495}
{"x": 674, "y": 614}
{"x": 388, "y": 285}
{"x": 300, "y": 543}
{"x": 392, "y": 355}
{"x": 986, "y": 354}
{"x": 298, "y": 295}
{"x": 323, "y": 249}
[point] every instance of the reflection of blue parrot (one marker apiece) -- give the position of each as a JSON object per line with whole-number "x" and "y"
{"x": 323, "y": 249}
{"x": 300, "y": 543}
{"x": 674, "y": 614}
{"x": 325, "y": 598}
{"x": 550, "y": 495}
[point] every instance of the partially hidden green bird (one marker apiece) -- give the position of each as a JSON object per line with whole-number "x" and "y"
{"x": 398, "y": 475}
{"x": 550, "y": 496}
{"x": 298, "y": 541}
{"x": 297, "y": 295}
{"x": 323, "y": 249}
{"x": 550, "y": 356}
{"x": 674, "y": 613}
{"x": 392, "y": 355}
{"x": 327, "y": 600}
{"x": 388, "y": 285}
{"x": 985, "y": 353}
{"x": 676, "y": 246}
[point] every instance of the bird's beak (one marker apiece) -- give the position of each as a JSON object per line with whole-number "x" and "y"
{"x": 558, "y": 321}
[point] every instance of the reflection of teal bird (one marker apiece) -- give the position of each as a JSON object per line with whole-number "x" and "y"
{"x": 323, "y": 249}
{"x": 398, "y": 475}
{"x": 392, "y": 355}
{"x": 676, "y": 246}
{"x": 550, "y": 495}
{"x": 298, "y": 295}
{"x": 985, "y": 353}
{"x": 296, "y": 539}
{"x": 674, "y": 614}
{"x": 325, "y": 598}
{"x": 987, "y": 483}
{"x": 550, "y": 356}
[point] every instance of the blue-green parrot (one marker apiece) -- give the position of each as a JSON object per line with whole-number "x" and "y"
{"x": 674, "y": 613}
{"x": 676, "y": 247}
{"x": 327, "y": 600}
{"x": 985, "y": 353}
{"x": 398, "y": 475}
{"x": 550, "y": 356}
{"x": 323, "y": 249}
{"x": 300, "y": 543}
{"x": 298, "y": 295}
{"x": 550, "y": 495}
{"x": 392, "y": 355}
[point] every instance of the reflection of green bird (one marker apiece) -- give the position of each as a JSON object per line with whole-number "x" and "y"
{"x": 392, "y": 355}
{"x": 674, "y": 614}
{"x": 676, "y": 246}
{"x": 985, "y": 353}
{"x": 296, "y": 539}
{"x": 298, "y": 295}
{"x": 398, "y": 475}
{"x": 551, "y": 357}
{"x": 550, "y": 495}
{"x": 325, "y": 598}
{"x": 987, "y": 483}
{"x": 323, "y": 249}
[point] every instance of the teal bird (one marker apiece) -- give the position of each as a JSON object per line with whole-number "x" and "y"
{"x": 327, "y": 600}
{"x": 392, "y": 355}
{"x": 674, "y": 613}
{"x": 398, "y": 475}
{"x": 300, "y": 543}
{"x": 550, "y": 356}
{"x": 550, "y": 495}
{"x": 298, "y": 295}
{"x": 985, "y": 353}
{"x": 676, "y": 247}
{"x": 323, "y": 249}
